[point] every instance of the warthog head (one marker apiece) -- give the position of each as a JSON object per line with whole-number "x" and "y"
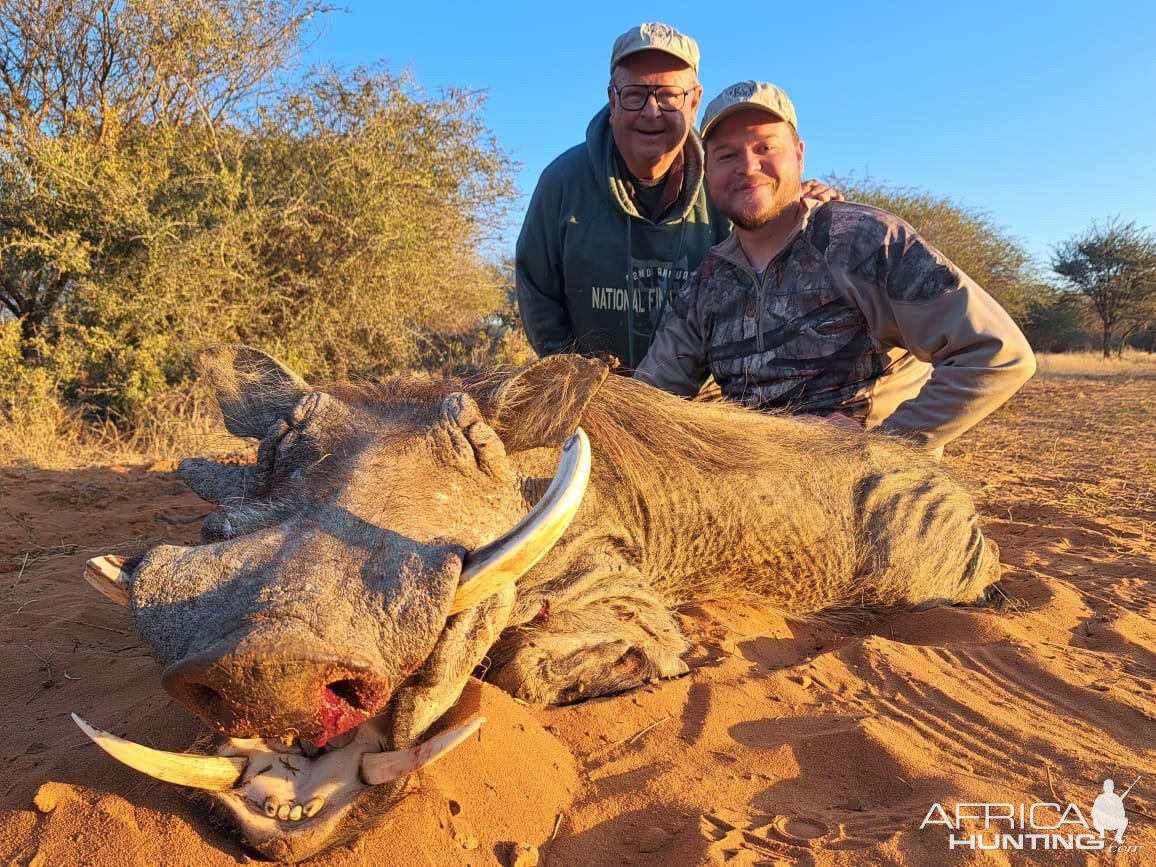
{"x": 349, "y": 584}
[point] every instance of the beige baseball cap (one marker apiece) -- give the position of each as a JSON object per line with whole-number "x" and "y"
{"x": 748, "y": 94}
{"x": 654, "y": 36}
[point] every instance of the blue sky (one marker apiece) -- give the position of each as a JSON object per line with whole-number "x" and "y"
{"x": 1042, "y": 114}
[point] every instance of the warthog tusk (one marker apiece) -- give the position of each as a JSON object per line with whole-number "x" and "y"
{"x": 377, "y": 768}
{"x": 211, "y": 773}
{"x": 510, "y": 556}
{"x": 107, "y": 576}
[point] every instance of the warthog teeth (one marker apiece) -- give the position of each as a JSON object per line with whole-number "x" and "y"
{"x": 292, "y": 811}
{"x": 211, "y": 773}
{"x": 378, "y": 768}
{"x": 222, "y": 773}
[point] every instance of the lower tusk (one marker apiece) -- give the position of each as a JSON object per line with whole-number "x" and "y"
{"x": 377, "y": 768}
{"x": 107, "y": 577}
{"x": 211, "y": 773}
{"x": 508, "y": 558}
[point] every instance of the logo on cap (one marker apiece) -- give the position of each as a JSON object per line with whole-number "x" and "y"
{"x": 743, "y": 90}
{"x": 657, "y": 32}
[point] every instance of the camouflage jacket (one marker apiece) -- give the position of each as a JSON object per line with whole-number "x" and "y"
{"x": 856, "y": 315}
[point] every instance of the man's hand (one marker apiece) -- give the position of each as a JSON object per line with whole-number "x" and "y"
{"x": 815, "y": 189}
{"x": 836, "y": 419}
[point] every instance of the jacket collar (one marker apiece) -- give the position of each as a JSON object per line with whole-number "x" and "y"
{"x": 730, "y": 250}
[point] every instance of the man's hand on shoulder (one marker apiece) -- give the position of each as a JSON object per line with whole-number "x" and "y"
{"x": 816, "y": 189}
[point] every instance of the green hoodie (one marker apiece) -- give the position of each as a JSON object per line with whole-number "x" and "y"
{"x": 584, "y": 250}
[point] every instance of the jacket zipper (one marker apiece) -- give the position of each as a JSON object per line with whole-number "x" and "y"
{"x": 750, "y": 272}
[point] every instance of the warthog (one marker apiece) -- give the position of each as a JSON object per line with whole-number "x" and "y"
{"x": 360, "y": 571}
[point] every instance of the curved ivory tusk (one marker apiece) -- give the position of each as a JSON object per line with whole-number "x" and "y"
{"x": 378, "y": 768}
{"x": 211, "y": 773}
{"x": 107, "y": 576}
{"x": 510, "y": 556}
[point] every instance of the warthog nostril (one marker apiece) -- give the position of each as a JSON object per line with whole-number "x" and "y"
{"x": 358, "y": 694}
{"x": 347, "y": 703}
{"x": 204, "y": 698}
{"x": 254, "y": 688}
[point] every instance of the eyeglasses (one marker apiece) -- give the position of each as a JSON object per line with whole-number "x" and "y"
{"x": 633, "y": 97}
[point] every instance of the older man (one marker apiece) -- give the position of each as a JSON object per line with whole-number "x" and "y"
{"x": 836, "y": 309}
{"x": 616, "y": 226}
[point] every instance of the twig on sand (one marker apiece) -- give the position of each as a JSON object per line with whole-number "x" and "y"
{"x": 900, "y": 779}
{"x": 24, "y": 605}
{"x": 635, "y": 737}
{"x": 45, "y": 553}
{"x": 1132, "y": 808}
{"x": 1051, "y": 788}
{"x": 557, "y": 825}
{"x": 45, "y": 667}
{"x": 93, "y": 625}
{"x": 47, "y": 662}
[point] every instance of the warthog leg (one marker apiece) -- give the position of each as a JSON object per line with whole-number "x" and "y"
{"x": 615, "y": 636}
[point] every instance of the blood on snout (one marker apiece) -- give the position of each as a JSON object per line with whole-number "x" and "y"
{"x": 336, "y": 713}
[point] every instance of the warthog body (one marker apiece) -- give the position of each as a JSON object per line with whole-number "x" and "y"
{"x": 318, "y": 608}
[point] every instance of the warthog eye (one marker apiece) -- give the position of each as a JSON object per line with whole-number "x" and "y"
{"x": 274, "y": 453}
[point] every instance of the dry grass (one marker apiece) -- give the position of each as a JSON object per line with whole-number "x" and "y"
{"x": 1093, "y": 364}
{"x": 44, "y": 433}
{"x": 1078, "y": 441}
{"x": 1081, "y": 446}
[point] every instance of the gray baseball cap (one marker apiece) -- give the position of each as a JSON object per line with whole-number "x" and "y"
{"x": 748, "y": 94}
{"x": 654, "y": 36}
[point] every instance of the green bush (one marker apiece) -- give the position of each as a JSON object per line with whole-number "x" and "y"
{"x": 339, "y": 227}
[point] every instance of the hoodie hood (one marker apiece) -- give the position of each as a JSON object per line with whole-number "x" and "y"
{"x": 592, "y": 274}
{"x": 601, "y": 151}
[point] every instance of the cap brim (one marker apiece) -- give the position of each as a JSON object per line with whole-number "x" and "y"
{"x": 731, "y": 109}
{"x": 641, "y": 49}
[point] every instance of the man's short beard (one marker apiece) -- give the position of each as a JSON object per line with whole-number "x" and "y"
{"x": 779, "y": 206}
{"x": 755, "y": 220}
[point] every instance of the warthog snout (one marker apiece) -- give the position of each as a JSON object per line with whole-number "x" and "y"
{"x": 262, "y": 688}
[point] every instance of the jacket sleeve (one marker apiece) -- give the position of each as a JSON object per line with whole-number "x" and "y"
{"x": 922, "y": 302}
{"x": 539, "y": 280}
{"x": 676, "y": 361}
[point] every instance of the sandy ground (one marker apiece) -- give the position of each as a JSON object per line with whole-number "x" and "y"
{"x": 785, "y": 744}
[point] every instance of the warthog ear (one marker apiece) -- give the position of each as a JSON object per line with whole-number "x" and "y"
{"x": 253, "y": 389}
{"x": 543, "y": 404}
